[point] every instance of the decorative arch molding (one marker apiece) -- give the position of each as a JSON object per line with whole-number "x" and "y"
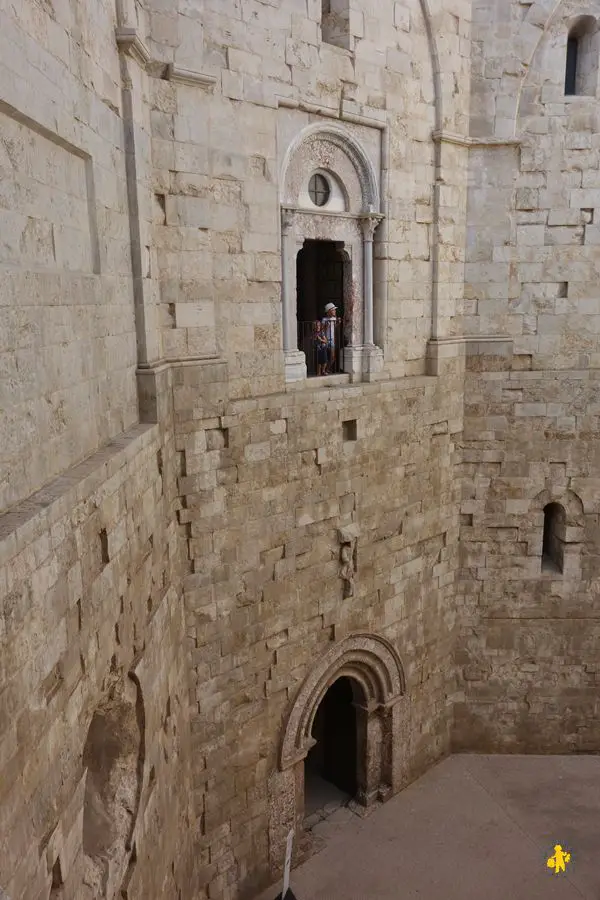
{"x": 435, "y": 64}
{"x": 370, "y": 660}
{"x": 569, "y": 500}
{"x": 350, "y": 147}
{"x": 556, "y": 534}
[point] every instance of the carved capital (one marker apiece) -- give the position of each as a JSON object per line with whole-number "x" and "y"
{"x": 369, "y": 223}
{"x": 287, "y": 220}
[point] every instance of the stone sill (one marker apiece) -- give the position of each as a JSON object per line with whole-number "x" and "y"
{"x": 299, "y": 392}
{"x": 322, "y": 381}
{"x": 23, "y": 523}
{"x": 336, "y": 48}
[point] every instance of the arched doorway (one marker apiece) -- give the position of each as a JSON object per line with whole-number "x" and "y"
{"x": 372, "y": 666}
{"x": 370, "y": 663}
{"x": 331, "y": 766}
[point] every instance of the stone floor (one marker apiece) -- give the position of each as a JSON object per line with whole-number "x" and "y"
{"x": 321, "y": 800}
{"x": 473, "y": 828}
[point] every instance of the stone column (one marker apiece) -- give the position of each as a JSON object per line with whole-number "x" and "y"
{"x": 295, "y": 360}
{"x": 368, "y": 749}
{"x": 369, "y": 224}
{"x": 396, "y": 727}
{"x": 372, "y": 355}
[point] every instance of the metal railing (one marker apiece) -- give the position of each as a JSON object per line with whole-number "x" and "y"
{"x": 322, "y": 344}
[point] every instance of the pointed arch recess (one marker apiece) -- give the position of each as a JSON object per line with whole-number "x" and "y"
{"x": 370, "y": 660}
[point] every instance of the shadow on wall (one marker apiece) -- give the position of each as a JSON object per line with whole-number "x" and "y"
{"x": 113, "y": 756}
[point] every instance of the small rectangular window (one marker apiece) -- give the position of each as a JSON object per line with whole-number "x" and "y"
{"x": 350, "y": 430}
{"x": 335, "y": 23}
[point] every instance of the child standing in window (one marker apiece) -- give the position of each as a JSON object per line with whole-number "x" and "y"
{"x": 321, "y": 348}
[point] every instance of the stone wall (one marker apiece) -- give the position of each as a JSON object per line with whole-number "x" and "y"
{"x": 527, "y": 658}
{"x": 67, "y": 346}
{"x": 166, "y": 602}
{"x": 267, "y": 478}
{"x": 92, "y": 627}
{"x": 94, "y": 737}
{"x": 220, "y": 136}
{"x": 269, "y": 483}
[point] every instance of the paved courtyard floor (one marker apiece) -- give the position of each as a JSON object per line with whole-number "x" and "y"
{"x": 472, "y": 828}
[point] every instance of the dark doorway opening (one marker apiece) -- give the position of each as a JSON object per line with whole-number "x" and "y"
{"x": 330, "y": 771}
{"x": 322, "y": 271}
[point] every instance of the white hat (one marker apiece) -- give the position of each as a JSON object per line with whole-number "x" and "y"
{"x": 329, "y": 306}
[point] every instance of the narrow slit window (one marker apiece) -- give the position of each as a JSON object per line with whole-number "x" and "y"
{"x": 571, "y": 73}
{"x": 581, "y": 66}
{"x": 553, "y": 541}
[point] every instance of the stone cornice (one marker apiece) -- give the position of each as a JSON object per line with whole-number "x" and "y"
{"x": 461, "y": 140}
{"x": 287, "y": 212}
{"x": 473, "y": 339}
{"x": 329, "y": 112}
{"x": 168, "y": 362}
{"x": 190, "y": 77}
{"x": 130, "y": 43}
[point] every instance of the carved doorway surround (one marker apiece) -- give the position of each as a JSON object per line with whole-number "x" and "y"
{"x": 345, "y": 210}
{"x": 374, "y": 667}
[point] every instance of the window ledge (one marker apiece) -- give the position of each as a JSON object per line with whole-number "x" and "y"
{"x": 550, "y": 568}
{"x": 318, "y": 382}
{"x": 343, "y": 51}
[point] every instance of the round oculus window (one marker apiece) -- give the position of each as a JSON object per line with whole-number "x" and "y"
{"x": 318, "y": 189}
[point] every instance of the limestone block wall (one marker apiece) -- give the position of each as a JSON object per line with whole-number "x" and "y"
{"x": 67, "y": 339}
{"x": 268, "y": 484}
{"x": 221, "y": 128}
{"x": 94, "y": 743}
{"x": 528, "y": 659}
{"x": 267, "y": 477}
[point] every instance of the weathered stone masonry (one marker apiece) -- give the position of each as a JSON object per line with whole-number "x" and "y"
{"x": 197, "y": 540}
{"x": 266, "y": 598}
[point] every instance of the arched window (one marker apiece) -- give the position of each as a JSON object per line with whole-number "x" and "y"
{"x": 581, "y": 70}
{"x": 553, "y": 542}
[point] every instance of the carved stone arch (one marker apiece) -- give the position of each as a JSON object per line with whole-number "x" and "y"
{"x": 376, "y": 675}
{"x": 569, "y": 500}
{"x": 435, "y": 64}
{"x": 308, "y": 141}
{"x": 558, "y": 532}
{"x": 370, "y": 660}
